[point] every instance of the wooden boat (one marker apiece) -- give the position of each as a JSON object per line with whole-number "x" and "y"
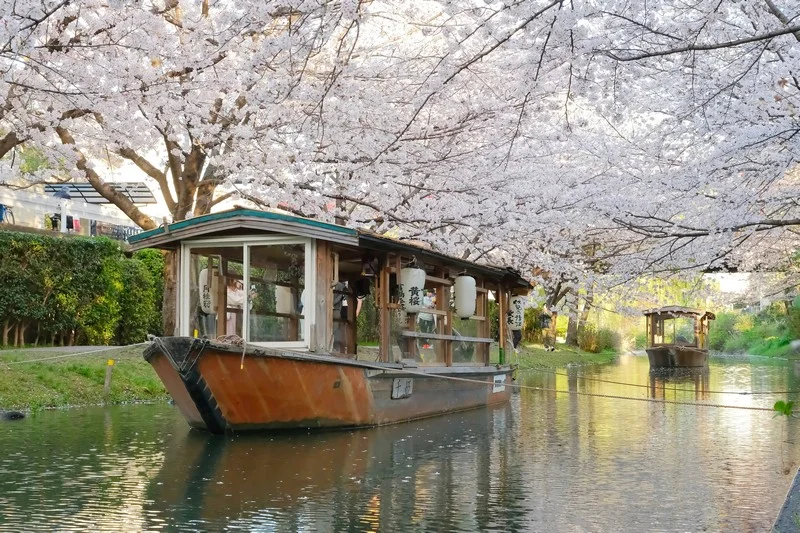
{"x": 677, "y": 336}
{"x": 283, "y": 353}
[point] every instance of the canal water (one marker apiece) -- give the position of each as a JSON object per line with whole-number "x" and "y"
{"x": 548, "y": 461}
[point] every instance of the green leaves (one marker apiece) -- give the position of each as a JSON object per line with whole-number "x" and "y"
{"x": 80, "y": 285}
{"x": 783, "y": 408}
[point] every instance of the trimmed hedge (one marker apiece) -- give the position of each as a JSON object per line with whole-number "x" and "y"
{"x": 78, "y": 290}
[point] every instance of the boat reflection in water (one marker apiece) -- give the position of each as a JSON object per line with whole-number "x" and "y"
{"x": 676, "y": 383}
{"x": 414, "y": 474}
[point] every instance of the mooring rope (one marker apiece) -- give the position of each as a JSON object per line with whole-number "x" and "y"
{"x": 600, "y": 380}
{"x": 64, "y": 356}
{"x": 545, "y": 389}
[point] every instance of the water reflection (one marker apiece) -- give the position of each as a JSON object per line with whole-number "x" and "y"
{"x": 569, "y": 455}
{"x": 432, "y": 474}
{"x": 678, "y": 383}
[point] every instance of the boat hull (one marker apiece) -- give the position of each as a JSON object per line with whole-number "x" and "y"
{"x": 677, "y": 357}
{"x": 224, "y": 388}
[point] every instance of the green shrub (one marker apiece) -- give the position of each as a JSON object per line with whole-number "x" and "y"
{"x": 640, "y": 340}
{"x": 367, "y": 320}
{"x": 596, "y": 340}
{"x": 138, "y": 303}
{"x": 721, "y": 330}
{"x": 75, "y": 290}
{"x": 153, "y": 261}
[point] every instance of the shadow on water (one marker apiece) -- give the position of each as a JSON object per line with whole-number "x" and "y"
{"x": 399, "y": 477}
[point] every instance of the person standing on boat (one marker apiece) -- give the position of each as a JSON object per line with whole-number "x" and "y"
{"x": 340, "y": 322}
{"x": 235, "y": 291}
{"x": 427, "y": 321}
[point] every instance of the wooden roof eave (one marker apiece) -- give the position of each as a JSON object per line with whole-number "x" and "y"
{"x": 675, "y": 312}
{"x": 496, "y": 274}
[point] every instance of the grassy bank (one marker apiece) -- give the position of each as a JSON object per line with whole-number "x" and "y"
{"x": 74, "y": 380}
{"x": 534, "y": 356}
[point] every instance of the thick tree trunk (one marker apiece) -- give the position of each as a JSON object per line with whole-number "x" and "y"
{"x": 587, "y": 306}
{"x": 553, "y": 328}
{"x": 572, "y": 330}
{"x": 168, "y": 305}
{"x": 20, "y": 335}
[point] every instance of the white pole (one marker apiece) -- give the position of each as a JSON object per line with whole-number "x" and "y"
{"x": 62, "y": 206}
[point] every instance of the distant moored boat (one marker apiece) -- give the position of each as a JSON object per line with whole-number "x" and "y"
{"x": 677, "y": 336}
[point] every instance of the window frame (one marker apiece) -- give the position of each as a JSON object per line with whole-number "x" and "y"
{"x": 246, "y": 242}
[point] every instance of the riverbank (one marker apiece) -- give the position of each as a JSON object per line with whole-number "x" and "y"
{"x": 53, "y": 378}
{"x": 33, "y": 380}
{"x": 534, "y": 356}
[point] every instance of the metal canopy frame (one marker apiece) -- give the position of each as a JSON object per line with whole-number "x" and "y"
{"x": 137, "y": 192}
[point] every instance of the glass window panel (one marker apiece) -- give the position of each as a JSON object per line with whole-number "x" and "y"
{"x": 216, "y": 291}
{"x": 277, "y": 291}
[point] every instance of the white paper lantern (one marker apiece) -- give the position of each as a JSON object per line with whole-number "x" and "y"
{"x": 412, "y": 284}
{"x": 516, "y": 313}
{"x": 465, "y": 295}
{"x": 208, "y": 291}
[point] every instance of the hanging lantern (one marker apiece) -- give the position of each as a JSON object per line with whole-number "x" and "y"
{"x": 412, "y": 283}
{"x": 516, "y": 313}
{"x": 466, "y": 295}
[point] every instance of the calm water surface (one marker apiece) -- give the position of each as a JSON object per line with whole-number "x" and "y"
{"x": 547, "y": 462}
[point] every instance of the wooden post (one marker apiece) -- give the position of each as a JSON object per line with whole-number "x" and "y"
{"x": 383, "y": 309}
{"x": 107, "y": 384}
{"x": 321, "y": 328}
{"x": 222, "y": 298}
{"x": 443, "y": 304}
{"x": 501, "y": 310}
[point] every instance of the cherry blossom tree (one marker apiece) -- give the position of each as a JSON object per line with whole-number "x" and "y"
{"x": 658, "y": 135}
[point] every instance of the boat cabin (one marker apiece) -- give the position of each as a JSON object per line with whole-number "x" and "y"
{"x": 281, "y": 281}
{"x": 678, "y": 326}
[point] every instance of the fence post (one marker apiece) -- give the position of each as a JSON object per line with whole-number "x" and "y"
{"x": 107, "y": 385}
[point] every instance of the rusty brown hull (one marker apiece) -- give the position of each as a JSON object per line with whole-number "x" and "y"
{"x": 224, "y": 388}
{"x": 677, "y": 357}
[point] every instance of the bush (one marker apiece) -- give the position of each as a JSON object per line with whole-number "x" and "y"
{"x": 722, "y": 329}
{"x": 640, "y": 340}
{"x": 153, "y": 261}
{"x": 367, "y": 320}
{"x": 596, "y": 340}
{"x": 138, "y": 303}
{"x": 74, "y": 290}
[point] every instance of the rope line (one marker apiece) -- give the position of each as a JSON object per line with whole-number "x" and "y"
{"x": 598, "y": 395}
{"x": 600, "y": 380}
{"x": 107, "y": 349}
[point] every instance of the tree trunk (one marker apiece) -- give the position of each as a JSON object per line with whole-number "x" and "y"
{"x": 553, "y": 328}
{"x": 572, "y": 320}
{"x": 572, "y": 330}
{"x": 168, "y": 304}
{"x": 21, "y": 327}
{"x": 587, "y": 306}
{"x": 38, "y": 332}
{"x": 7, "y": 326}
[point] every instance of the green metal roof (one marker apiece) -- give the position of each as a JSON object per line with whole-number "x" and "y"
{"x": 236, "y": 213}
